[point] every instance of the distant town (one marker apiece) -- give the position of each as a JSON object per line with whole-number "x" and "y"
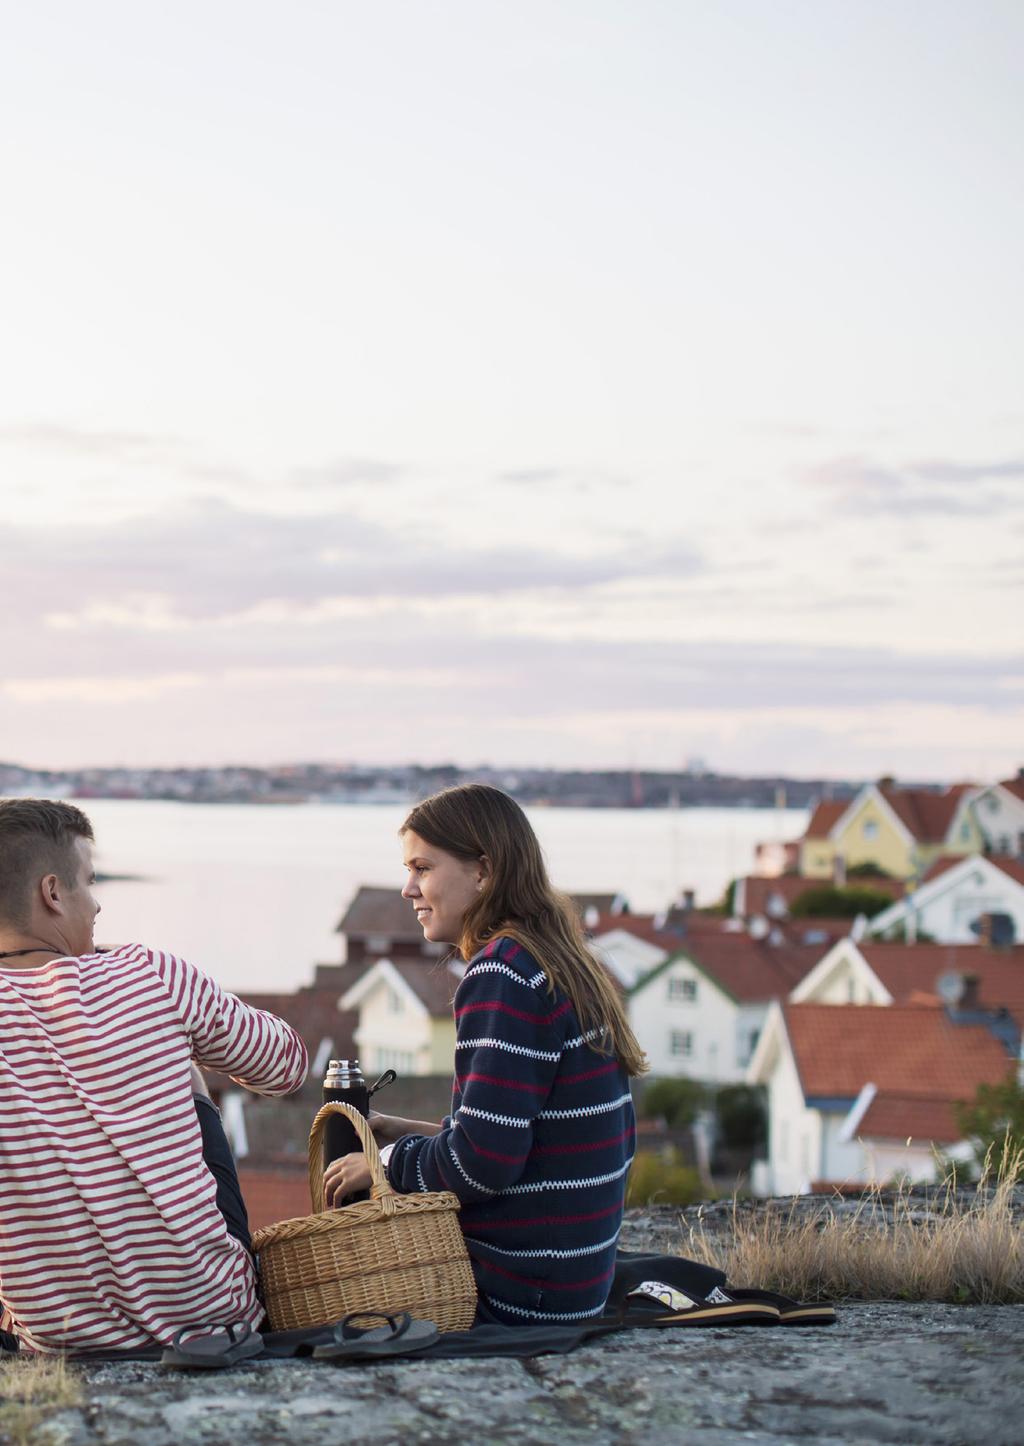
{"x": 693, "y": 786}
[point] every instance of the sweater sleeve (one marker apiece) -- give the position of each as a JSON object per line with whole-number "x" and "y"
{"x": 507, "y": 1049}
{"x": 258, "y": 1050}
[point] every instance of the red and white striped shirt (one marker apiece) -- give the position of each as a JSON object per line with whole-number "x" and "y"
{"x": 110, "y": 1235}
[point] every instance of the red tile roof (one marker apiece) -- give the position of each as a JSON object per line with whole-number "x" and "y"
{"x": 1014, "y": 785}
{"x": 893, "y": 1116}
{"x": 826, "y": 814}
{"x": 908, "y": 968}
{"x": 751, "y": 970}
{"x": 641, "y": 926}
{"x": 272, "y": 1195}
{"x": 925, "y": 814}
{"x": 906, "y": 1050}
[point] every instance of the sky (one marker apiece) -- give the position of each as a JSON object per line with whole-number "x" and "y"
{"x": 553, "y": 382}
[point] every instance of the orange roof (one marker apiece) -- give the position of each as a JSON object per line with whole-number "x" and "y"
{"x": 904, "y": 1050}
{"x": 893, "y": 1116}
{"x": 1013, "y": 868}
{"x": 826, "y": 813}
{"x": 906, "y": 969}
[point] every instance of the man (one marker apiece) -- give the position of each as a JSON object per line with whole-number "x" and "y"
{"x": 121, "y": 1221}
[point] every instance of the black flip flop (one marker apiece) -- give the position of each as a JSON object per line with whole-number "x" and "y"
{"x": 791, "y": 1312}
{"x": 658, "y": 1303}
{"x": 216, "y": 1347}
{"x": 399, "y": 1336}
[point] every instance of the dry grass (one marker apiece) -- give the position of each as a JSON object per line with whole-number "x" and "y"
{"x": 970, "y": 1251}
{"x": 31, "y": 1389}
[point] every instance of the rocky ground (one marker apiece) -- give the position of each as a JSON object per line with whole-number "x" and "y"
{"x": 887, "y": 1372}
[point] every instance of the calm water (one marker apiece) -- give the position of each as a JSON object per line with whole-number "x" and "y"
{"x": 252, "y": 894}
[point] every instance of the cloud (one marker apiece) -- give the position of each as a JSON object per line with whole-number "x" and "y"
{"x": 211, "y": 560}
{"x": 861, "y": 485}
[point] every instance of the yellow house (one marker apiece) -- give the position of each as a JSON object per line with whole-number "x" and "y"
{"x": 405, "y": 1017}
{"x": 899, "y": 830}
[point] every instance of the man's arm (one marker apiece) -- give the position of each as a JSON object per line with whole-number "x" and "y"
{"x": 258, "y": 1050}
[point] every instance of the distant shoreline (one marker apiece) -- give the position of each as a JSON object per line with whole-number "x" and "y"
{"x": 404, "y": 785}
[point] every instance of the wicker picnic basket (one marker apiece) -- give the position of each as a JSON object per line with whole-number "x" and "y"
{"x": 389, "y": 1253}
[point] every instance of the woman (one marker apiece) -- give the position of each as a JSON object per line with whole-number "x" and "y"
{"x": 541, "y": 1133}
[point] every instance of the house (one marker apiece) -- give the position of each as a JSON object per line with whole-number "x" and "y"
{"x": 699, "y": 1012}
{"x": 631, "y": 945}
{"x": 405, "y": 1019}
{"x": 380, "y": 924}
{"x": 952, "y": 899}
{"x": 868, "y": 972}
{"x": 1000, "y": 814}
{"x": 867, "y": 1095}
{"x": 900, "y": 831}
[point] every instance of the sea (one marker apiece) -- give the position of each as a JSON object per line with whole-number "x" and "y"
{"x": 253, "y": 894}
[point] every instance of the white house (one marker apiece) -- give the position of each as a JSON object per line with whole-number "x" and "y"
{"x": 975, "y": 976}
{"x": 405, "y": 1017}
{"x": 699, "y": 1012}
{"x": 864, "y": 1095}
{"x": 999, "y": 810}
{"x": 954, "y": 895}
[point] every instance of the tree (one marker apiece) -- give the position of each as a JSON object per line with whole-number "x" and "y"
{"x": 995, "y": 1116}
{"x": 742, "y": 1118}
{"x": 676, "y": 1101}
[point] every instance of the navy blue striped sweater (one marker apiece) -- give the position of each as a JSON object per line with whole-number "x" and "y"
{"x": 537, "y": 1147}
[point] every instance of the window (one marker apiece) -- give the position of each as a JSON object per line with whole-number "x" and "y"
{"x": 685, "y": 989}
{"x": 378, "y": 944}
{"x": 680, "y": 1043}
{"x": 401, "y": 1060}
{"x": 870, "y": 829}
{"x": 395, "y": 1001}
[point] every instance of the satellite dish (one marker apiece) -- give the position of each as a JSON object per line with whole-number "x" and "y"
{"x": 758, "y": 927}
{"x": 950, "y": 987}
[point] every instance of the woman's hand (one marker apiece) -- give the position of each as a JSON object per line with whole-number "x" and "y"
{"x": 345, "y": 1176}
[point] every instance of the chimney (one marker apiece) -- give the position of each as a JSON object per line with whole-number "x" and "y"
{"x": 839, "y": 871}
{"x": 689, "y": 899}
{"x": 969, "y": 997}
{"x": 996, "y": 931}
{"x": 887, "y": 781}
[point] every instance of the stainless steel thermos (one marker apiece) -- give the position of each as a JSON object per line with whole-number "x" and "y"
{"x": 344, "y": 1082}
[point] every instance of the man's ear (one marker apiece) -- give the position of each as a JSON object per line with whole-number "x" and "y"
{"x": 51, "y": 892}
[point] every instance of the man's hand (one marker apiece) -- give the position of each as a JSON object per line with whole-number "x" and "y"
{"x": 389, "y": 1128}
{"x": 344, "y": 1177}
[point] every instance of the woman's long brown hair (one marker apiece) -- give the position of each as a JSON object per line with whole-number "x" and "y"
{"x": 517, "y": 901}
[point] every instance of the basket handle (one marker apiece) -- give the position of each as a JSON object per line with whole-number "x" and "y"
{"x": 380, "y": 1188}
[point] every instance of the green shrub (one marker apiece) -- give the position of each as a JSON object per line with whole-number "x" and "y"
{"x": 828, "y": 901}
{"x": 662, "y": 1179}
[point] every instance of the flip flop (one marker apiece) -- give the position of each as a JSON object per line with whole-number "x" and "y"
{"x": 218, "y": 1346}
{"x": 657, "y": 1303}
{"x": 791, "y": 1312}
{"x": 400, "y": 1336}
